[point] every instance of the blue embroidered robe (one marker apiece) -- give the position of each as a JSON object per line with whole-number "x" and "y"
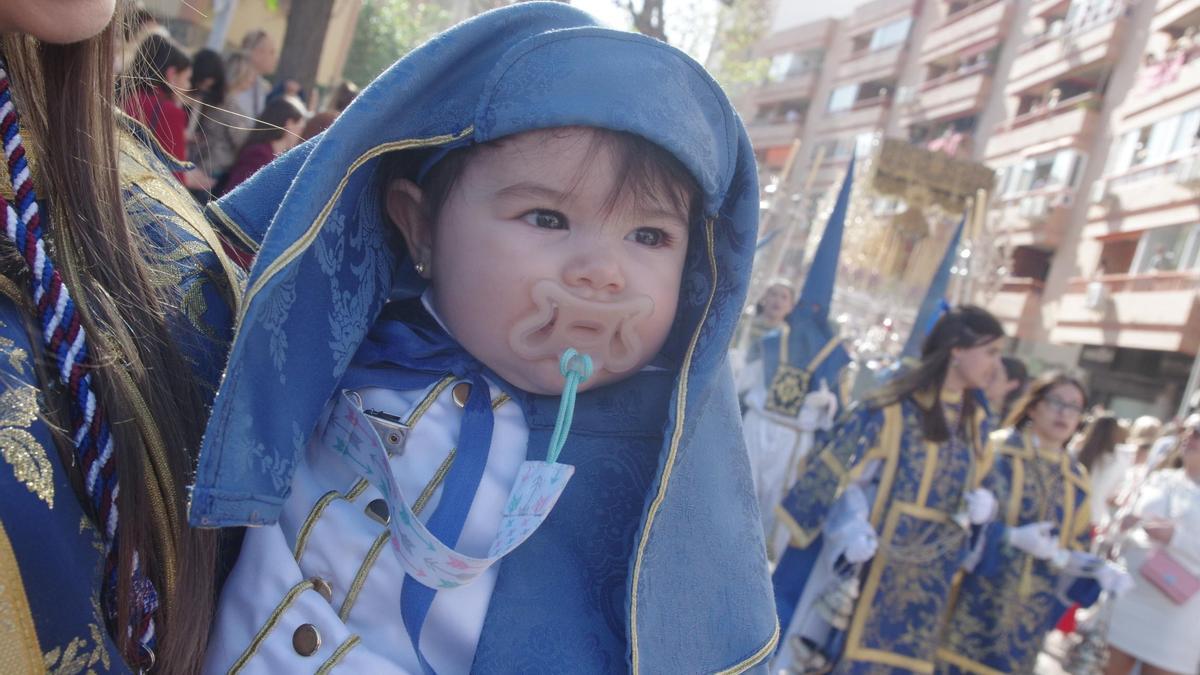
{"x": 1008, "y": 603}
{"x": 915, "y": 495}
{"x": 51, "y": 555}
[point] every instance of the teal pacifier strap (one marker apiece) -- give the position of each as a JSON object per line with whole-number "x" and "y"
{"x": 576, "y": 368}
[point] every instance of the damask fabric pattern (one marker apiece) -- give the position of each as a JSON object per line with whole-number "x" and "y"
{"x": 1010, "y": 601}
{"x": 918, "y": 490}
{"x": 55, "y": 545}
{"x": 326, "y": 267}
{"x": 57, "y": 550}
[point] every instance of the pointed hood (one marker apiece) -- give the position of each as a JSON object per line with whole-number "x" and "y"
{"x": 809, "y": 332}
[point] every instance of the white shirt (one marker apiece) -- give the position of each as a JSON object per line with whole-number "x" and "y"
{"x": 339, "y": 543}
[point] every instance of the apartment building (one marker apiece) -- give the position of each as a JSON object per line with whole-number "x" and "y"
{"x": 1089, "y": 111}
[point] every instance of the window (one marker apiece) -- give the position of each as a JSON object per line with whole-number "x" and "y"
{"x": 890, "y": 34}
{"x": 1167, "y": 249}
{"x": 1157, "y": 142}
{"x": 780, "y": 65}
{"x": 843, "y": 97}
{"x": 1055, "y": 170}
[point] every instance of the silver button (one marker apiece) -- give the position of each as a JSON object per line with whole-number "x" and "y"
{"x": 377, "y": 510}
{"x": 306, "y": 640}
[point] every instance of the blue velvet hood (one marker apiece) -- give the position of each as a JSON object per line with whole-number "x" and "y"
{"x": 694, "y": 590}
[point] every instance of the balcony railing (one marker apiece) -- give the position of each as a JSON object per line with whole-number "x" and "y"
{"x": 1153, "y": 282}
{"x": 1182, "y": 168}
{"x": 1073, "y": 117}
{"x": 1093, "y": 17}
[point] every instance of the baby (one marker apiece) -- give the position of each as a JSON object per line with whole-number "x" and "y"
{"x": 478, "y": 399}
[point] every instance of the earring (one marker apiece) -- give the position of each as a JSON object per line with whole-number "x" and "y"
{"x": 420, "y": 268}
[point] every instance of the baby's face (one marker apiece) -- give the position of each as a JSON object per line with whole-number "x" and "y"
{"x": 530, "y": 256}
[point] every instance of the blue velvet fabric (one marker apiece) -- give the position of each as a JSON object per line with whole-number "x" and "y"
{"x": 917, "y": 492}
{"x": 1010, "y": 601}
{"x": 661, "y": 504}
{"x": 56, "y": 545}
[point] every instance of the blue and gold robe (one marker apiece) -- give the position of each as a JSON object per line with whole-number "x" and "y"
{"x": 1008, "y": 603}
{"x": 51, "y": 555}
{"x": 915, "y": 491}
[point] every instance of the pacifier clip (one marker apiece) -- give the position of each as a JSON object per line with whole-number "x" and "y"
{"x": 425, "y": 558}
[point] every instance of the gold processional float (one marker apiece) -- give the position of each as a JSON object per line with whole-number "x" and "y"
{"x": 904, "y": 208}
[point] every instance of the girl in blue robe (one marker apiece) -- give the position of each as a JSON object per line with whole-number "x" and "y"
{"x": 880, "y": 520}
{"x": 1034, "y": 559}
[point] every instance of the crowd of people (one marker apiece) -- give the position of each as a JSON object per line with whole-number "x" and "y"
{"x": 472, "y": 408}
{"x": 218, "y": 112}
{"x": 1060, "y": 502}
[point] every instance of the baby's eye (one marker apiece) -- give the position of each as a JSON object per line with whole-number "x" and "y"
{"x": 651, "y": 236}
{"x": 550, "y": 220}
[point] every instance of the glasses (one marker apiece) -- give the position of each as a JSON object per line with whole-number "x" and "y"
{"x": 1062, "y": 407}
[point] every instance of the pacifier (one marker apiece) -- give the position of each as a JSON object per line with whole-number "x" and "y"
{"x": 604, "y": 329}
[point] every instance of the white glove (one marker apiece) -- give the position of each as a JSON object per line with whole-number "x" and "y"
{"x": 1113, "y": 578}
{"x": 861, "y": 542}
{"x": 981, "y": 505}
{"x": 1036, "y": 539}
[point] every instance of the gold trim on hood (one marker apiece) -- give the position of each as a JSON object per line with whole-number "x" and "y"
{"x": 301, "y": 245}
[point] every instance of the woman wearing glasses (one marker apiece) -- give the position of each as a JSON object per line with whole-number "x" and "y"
{"x": 1031, "y": 559}
{"x": 1153, "y": 625}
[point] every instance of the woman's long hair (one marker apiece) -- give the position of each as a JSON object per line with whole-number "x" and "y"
{"x": 961, "y": 327}
{"x": 278, "y": 112}
{"x": 1038, "y": 391}
{"x": 156, "y": 54}
{"x": 1100, "y": 439}
{"x": 66, "y": 97}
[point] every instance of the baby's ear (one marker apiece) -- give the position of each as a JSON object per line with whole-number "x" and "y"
{"x": 406, "y": 208}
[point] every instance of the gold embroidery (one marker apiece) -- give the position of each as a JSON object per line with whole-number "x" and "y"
{"x": 19, "y": 649}
{"x": 77, "y": 657}
{"x": 31, "y": 465}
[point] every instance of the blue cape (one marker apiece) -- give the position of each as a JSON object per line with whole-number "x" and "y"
{"x": 693, "y": 593}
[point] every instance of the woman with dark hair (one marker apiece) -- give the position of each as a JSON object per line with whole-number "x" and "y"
{"x": 277, "y": 131}
{"x": 115, "y": 316}
{"x": 1034, "y": 553}
{"x": 902, "y": 468}
{"x": 1008, "y": 386}
{"x": 160, "y": 71}
{"x": 217, "y": 129}
{"x": 1096, "y": 450}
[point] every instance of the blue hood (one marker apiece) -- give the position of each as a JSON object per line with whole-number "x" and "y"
{"x": 698, "y": 587}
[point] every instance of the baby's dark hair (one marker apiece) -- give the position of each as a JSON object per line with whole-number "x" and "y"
{"x": 646, "y": 172}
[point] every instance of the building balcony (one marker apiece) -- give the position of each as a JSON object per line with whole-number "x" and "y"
{"x": 1167, "y": 12}
{"x": 982, "y": 23}
{"x": 867, "y": 65}
{"x": 812, "y": 35}
{"x": 949, "y": 96}
{"x": 1148, "y": 196}
{"x": 802, "y": 86}
{"x": 866, "y": 114}
{"x": 1042, "y": 7}
{"x": 1047, "y": 58}
{"x": 1017, "y": 305}
{"x": 1038, "y": 218}
{"x": 1174, "y": 77}
{"x": 1159, "y": 311}
{"x": 768, "y": 133}
{"x": 1071, "y": 123}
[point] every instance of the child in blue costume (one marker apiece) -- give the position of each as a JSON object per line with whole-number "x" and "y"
{"x": 394, "y": 406}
